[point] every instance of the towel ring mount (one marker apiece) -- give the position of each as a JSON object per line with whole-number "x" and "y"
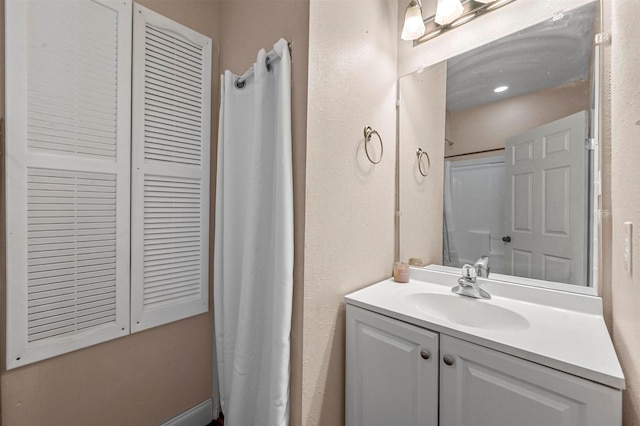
{"x": 368, "y": 134}
{"x": 420, "y": 153}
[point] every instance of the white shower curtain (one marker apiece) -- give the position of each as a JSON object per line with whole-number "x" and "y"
{"x": 253, "y": 255}
{"x": 449, "y": 257}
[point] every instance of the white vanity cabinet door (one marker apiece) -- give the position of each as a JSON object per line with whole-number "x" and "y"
{"x": 487, "y": 387}
{"x": 388, "y": 379}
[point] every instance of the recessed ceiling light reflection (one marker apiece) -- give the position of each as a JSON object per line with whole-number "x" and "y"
{"x": 500, "y": 89}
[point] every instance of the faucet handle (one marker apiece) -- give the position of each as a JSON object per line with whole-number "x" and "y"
{"x": 469, "y": 272}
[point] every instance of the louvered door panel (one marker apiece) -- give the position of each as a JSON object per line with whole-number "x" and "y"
{"x": 72, "y": 78}
{"x": 174, "y": 86}
{"x": 172, "y": 240}
{"x": 68, "y": 87}
{"x": 71, "y": 250}
{"x": 170, "y": 187}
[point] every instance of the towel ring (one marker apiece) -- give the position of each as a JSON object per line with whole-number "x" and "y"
{"x": 368, "y": 132}
{"x": 419, "y": 154}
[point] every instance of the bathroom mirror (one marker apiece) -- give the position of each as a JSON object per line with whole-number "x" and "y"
{"x": 507, "y": 128}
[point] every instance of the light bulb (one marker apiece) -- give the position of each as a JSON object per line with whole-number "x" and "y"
{"x": 413, "y": 22}
{"x": 448, "y": 11}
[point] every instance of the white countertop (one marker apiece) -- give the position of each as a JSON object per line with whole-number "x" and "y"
{"x": 566, "y": 330}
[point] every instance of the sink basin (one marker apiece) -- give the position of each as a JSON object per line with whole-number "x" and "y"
{"x": 467, "y": 311}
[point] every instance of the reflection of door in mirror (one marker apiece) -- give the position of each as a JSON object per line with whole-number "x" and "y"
{"x": 545, "y": 202}
{"x": 527, "y": 208}
{"x": 528, "y": 215}
{"x": 526, "y": 88}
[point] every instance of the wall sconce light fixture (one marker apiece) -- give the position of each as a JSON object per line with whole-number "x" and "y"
{"x": 413, "y": 22}
{"x": 448, "y": 11}
{"x": 449, "y": 14}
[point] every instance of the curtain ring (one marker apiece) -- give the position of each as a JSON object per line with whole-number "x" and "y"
{"x": 419, "y": 154}
{"x": 368, "y": 133}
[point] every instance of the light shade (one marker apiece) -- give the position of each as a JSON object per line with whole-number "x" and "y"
{"x": 485, "y": 1}
{"x": 413, "y": 22}
{"x": 448, "y": 11}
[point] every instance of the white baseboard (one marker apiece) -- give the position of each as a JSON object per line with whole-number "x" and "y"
{"x": 200, "y": 415}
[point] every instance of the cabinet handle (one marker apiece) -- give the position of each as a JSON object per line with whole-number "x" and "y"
{"x": 448, "y": 359}
{"x": 425, "y": 354}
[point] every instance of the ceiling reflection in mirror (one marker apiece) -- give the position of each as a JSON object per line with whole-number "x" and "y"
{"x": 516, "y": 172}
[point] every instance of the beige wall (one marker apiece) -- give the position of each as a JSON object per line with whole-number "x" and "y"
{"x": 141, "y": 379}
{"x": 350, "y": 202}
{"x": 488, "y": 126}
{"x": 625, "y": 194}
{"x": 144, "y": 378}
{"x": 248, "y": 26}
{"x": 421, "y": 121}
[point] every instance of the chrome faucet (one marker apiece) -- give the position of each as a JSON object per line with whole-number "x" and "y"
{"x": 467, "y": 283}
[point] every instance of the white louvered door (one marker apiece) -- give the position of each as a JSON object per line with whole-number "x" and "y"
{"x": 68, "y": 109}
{"x": 170, "y": 171}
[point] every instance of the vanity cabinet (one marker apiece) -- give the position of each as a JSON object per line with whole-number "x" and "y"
{"x": 486, "y": 387}
{"x": 388, "y": 382}
{"x": 392, "y": 371}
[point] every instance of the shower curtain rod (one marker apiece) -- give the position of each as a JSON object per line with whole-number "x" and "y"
{"x": 472, "y": 153}
{"x": 271, "y": 56}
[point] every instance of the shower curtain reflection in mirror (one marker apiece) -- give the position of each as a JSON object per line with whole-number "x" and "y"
{"x": 474, "y": 211}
